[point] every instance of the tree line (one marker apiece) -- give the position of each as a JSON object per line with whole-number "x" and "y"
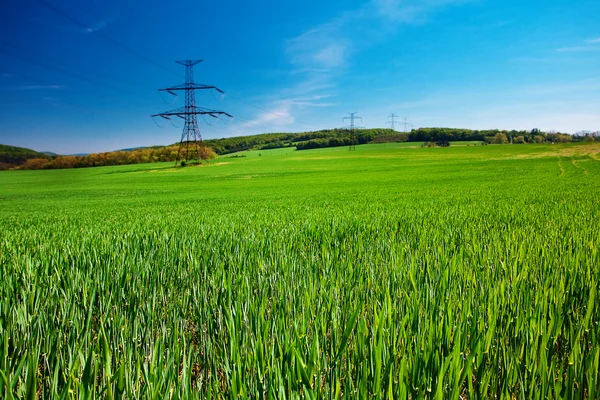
{"x": 302, "y": 140}
{"x": 345, "y": 137}
{"x": 497, "y": 136}
{"x": 135, "y": 156}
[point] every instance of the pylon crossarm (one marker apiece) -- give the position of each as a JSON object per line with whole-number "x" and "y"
{"x": 193, "y": 86}
{"x": 194, "y": 111}
{"x": 189, "y": 63}
{"x": 179, "y": 114}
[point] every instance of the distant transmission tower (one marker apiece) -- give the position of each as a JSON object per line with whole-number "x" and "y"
{"x": 406, "y": 124}
{"x": 191, "y": 131}
{"x": 392, "y": 122}
{"x": 352, "y": 117}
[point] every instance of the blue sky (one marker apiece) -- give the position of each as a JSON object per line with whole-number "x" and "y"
{"x": 290, "y": 66}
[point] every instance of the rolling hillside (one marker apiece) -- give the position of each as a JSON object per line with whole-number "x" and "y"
{"x": 11, "y": 156}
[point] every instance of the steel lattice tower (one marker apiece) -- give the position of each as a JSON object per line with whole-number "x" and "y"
{"x": 393, "y": 121}
{"x": 352, "y": 117}
{"x": 191, "y": 131}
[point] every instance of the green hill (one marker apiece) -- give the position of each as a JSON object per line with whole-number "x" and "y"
{"x": 12, "y": 156}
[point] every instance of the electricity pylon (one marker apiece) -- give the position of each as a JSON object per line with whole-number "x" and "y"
{"x": 393, "y": 121}
{"x": 352, "y": 117}
{"x": 191, "y": 131}
{"x": 406, "y": 124}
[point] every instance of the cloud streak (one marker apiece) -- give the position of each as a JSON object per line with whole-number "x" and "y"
{"x": 589, "y": 46}
{"x": 38, "y": 87}
{"x": 411, "y": 11}
{"x": 577, "y": 49}
{"x": 33, "y": 87}
{"x": 100, "y": 25}
{"x": 312, "y": 101}
{"x": 321, "y": 48}
{"x": 278, "y": 116}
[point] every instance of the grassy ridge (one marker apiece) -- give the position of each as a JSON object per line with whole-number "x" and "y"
{"x": 389, "y": 270}
{"x": 11, "y": 155}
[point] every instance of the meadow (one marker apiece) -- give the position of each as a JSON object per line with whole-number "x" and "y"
{"x": 392, "y": 271}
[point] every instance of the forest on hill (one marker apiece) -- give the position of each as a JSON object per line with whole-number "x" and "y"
{"x": 345, "y": 137}
{"x": 12, "y": 156}
{"x": 20, "y": 158}
{"x": 305, "y": 140}
{"x": 122, "y": 157}
{"x": 496, "y": 136}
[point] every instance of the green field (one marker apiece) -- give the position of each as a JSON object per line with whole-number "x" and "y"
{"x": 389, "y": 271}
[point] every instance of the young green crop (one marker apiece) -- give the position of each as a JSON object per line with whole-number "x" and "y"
{"x": 386, "y": 272}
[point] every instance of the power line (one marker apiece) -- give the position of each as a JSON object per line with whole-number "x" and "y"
{"x": 21, "y": 51}
{"x": 71, "y": 106}
{"x": 95, "y": 110}
{"x": 30, "y": 79}
{"x": 64, "y": 72}
{"x": 105, "y": 37}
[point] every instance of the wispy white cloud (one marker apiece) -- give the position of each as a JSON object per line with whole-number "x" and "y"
{"x": 577, "y": 49}
{"x": 537, "y": 60}
{"x": 278, "y": 116}
{"x": 298, "y": 71}
{"x": 589, "y": 46}
{"x": 34, "y": 87}
{"x": 311, "y": 82}
{"x": 311, "y": 101}
{"x": 411, "y": 11}
{"x": 332, "y": 56}
{"x": 281, "y": 112}
{"x": 321, "y": 48}
{"x": 100, "y": 25}
{"x": 316, "y": 55}
{"x": 322, "y": 96}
